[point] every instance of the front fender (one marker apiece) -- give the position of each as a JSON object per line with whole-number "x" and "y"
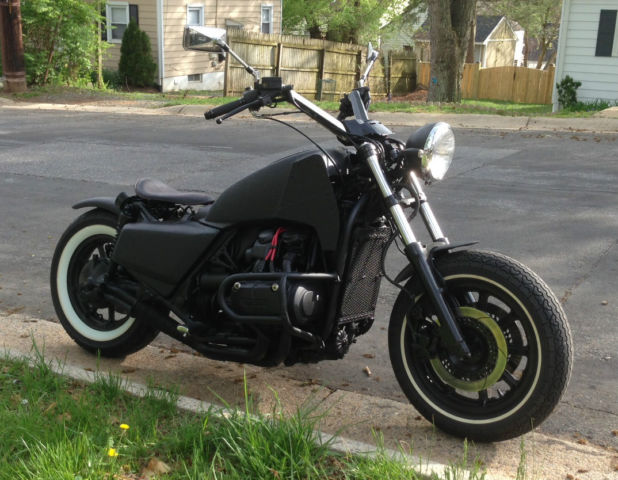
{"x": 105, "y": 203}
{"x": 434, "y": 253}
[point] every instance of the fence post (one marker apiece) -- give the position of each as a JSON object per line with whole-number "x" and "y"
{"x": 551, "y": 73}
{"x": 320, "y": 74}
{"x": 226, "y": 72}
{"x": 388, "y": 75}
{"x": 279, "y": 54}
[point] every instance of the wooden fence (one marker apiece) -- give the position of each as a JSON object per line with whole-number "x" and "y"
{"x": 510, "y": 84}
{"x": 317, "y": 68}
{"x": 326, "y": 70}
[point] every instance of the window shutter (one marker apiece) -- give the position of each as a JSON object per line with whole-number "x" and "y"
{"x": 607, "y": 30}
{"x": 104, "y": 23}
{"x": 134, "y": 13}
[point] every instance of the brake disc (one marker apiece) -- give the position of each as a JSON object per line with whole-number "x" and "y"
{"x": 487, "y": 364}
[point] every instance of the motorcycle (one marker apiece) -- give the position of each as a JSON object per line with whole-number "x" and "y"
{"x": 286, "y": 265}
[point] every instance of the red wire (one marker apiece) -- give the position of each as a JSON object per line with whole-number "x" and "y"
{"x": 274, "y": 243}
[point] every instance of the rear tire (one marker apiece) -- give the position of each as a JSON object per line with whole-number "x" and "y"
{"x": 85, "y": 246}
{"x": 519, "y": 337}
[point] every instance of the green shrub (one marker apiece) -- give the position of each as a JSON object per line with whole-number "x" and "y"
{"x": 60, "y": 40}
{"x": 136, "y": 67}
{"x": 567, "y": 92}
{"x": 594, "y": 106}
{"x": 111, "y": 78}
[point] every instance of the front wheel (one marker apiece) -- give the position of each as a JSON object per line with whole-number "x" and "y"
{"x": 520, "y": 342}
{"x": 83, "y": 253}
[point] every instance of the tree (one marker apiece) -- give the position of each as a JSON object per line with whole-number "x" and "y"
{"x": 355, "y": 21}
{"x": 136, "y": 66}
{"x": 402, "y": 18}
{"x": 60, "y": 38}
{"x": 539, "y": 18}
{"x": 450, "y": 22}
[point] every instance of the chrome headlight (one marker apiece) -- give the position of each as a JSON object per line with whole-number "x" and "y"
{"x": 434, "y": 145}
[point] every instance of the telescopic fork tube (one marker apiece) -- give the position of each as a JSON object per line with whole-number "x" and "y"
{"x": 415, "y": 253}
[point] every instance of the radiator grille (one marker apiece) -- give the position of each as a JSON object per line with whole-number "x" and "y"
{"x": 362, "y": 281}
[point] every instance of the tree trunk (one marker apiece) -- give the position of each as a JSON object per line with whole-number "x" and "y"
{"x": 12, "y": 48}
{"x": 450, "y": 33}
{"x": 539, "y": 62}
{"x": 551, "y": 59}
{"x": 471, "y": 41}
{"x": 100, "y": 82}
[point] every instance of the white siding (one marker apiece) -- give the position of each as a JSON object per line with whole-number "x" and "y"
{"x": 576, "y": 51}
{"x": 179, "y": 62}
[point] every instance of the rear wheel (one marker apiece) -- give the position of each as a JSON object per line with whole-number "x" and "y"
{"x": 519, "y": 338}
{"x": 83, "y": 254}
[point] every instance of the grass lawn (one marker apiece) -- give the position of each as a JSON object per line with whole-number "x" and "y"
{"x": 57, "y": 428}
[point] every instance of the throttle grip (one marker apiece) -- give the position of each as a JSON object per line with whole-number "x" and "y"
{"x": 223, "y": 109}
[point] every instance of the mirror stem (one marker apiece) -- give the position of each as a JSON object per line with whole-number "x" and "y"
{"x": 226, "y": 48}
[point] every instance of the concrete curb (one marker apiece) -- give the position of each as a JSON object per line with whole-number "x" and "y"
{"x": 597, "y": 124}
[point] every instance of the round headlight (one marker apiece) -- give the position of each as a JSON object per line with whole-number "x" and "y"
{"x": 438, "y": 152}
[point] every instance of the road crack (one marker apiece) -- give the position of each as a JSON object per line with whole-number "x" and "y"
{"x": 569, "y": 291}
{"x": 597, "y": 410}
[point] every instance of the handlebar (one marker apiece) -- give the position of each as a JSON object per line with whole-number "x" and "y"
{"x": 269, "y": 91}
{"x": 247, "y": 98}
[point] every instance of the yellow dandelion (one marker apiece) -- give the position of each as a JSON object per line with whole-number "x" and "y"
{"x": 124, "y": 426}
{"x": 112, "y": 452}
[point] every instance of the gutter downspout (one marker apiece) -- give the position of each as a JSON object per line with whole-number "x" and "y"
{"x": 280, "y": 17}
{"x": 161, "y": 42}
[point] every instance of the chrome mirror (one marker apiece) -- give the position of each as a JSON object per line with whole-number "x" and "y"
{"x": 204, "y": 39}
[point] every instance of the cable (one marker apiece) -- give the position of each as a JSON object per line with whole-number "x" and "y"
{"x": 383, "y": 266}
{"x": 395, "y": 237}
{"x": 328, "y": 156}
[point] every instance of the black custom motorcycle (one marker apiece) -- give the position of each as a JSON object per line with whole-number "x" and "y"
{"x": 285, "y": 266}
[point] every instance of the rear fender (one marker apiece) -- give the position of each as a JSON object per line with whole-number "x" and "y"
{"x": 104, "y": 203}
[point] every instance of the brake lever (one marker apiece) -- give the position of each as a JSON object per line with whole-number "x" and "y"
{"x": 238, "y": 110}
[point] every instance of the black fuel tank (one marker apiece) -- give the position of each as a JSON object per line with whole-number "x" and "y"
{"x": 296, "y": 188}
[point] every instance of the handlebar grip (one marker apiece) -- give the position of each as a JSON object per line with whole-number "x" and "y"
{"x": 223, "y": 109}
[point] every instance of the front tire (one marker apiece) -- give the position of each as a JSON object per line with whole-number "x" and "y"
{"x": 82, "y": 252}
{"x": 520, "y": 341}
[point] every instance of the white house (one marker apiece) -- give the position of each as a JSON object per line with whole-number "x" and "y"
{"x": 588, "y": 49}
{"x": 494, "y": 42}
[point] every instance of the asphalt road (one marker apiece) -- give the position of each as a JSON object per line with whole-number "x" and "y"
{"x": 546, "y": 199}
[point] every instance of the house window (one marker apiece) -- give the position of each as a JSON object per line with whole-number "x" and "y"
{"x": 607, "y": 46}
{"x": 267, "y": 19}
{"x": 195, "y": 15}
{"x": 117, "y": 20}
{"x": 117, "y": 17}
{"x": 196, "y": 77}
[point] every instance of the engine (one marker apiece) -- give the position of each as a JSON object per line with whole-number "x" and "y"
{"x": 281, "y": 250}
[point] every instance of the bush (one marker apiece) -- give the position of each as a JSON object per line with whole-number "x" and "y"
{"x": 60, "y": 40}
{"x": 111, "y": 78}
{"x": 136, "y": 67}
{"x": 567, "y": 92}
{"x": 594, "y": 106}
